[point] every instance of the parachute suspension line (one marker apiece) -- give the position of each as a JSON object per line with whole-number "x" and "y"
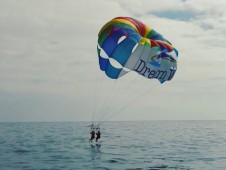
{"x": 125, "y": 98}
{"x": 120, "y": 89}
{"x": 114, "y": 100}
{"x": 101, "y": 93}
{"x": 113, "y": 96}
{"x": 115, "y": 91}
{"x": 108, "y": 101}
{"x": 128, "y": 104}
{"x": 95, "y": 97}
{"x": 130, "y": 88}
{"x": 117, "y": 110}
{"x": 123, "y": 95}
{"x": 108, "y": 92}
{"x": 126, "y": 95}
{"x": 121, "y": 109}
{"x": 98, "y": 94}
{"x": 121, "y": 92}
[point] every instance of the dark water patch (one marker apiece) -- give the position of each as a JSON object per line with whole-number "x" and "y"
{"x": 50, "y": 160}
{"x": 48, "y": 169}
{"x": 2, "y": 142}
{"x": 120, "y": 159}
{"x": 160, "y": 158}
{"x": 178, "y": 168}
{"x": 21, "y": 151}
{"x": 178, "y": 160}
{"x": 117, "y": 136}
{"x": 101, "y": 168}
{"x": 112, "y": 161}
{"x": 117, "y": 160}
{"x": 158, "y": 167}
{"x": 20, "y": 163}
{"x": 148, "y": 161}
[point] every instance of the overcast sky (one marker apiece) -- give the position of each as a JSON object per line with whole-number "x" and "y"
{"x": 48, "y": 59}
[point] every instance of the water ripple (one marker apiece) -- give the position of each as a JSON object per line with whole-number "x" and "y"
{"x": 156, "y": 145}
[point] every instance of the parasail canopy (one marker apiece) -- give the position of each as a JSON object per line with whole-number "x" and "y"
{"x": 130, "y": 45}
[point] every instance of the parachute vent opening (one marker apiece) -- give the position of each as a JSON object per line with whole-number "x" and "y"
{"x": 103, "y": 54}
{"x": 134, "y": 48}
{"x": 121, "y": 39}
{"x": 115, "y": 63}
{"x": 126, "y": 69}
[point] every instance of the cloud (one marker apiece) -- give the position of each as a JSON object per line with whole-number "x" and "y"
{"x": 183, "y": 15}
{"x": 48, "y": 48}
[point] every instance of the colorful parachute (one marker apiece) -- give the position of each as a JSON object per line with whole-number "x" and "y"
{"x": 131, "y": 45}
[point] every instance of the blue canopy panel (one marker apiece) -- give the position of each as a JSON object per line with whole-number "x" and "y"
{"x": 112, "y": 72}
{"x": 124, "y": 49}
{"x": 102, "y": 61}
{"x": 121, "y": 54}
{"x": 111, "y": 41}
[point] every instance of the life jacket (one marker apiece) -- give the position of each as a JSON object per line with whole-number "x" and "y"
{"x": 98, "y": 134}
{"x": 93, "y": 134}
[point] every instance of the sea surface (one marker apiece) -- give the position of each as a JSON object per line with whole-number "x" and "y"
{"x": 153, "y": 145}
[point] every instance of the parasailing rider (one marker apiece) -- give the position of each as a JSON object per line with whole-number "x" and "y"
{"x": 92, "y": 136}
{"x": 98, "y": 135}
{"x": 95, "y": 128}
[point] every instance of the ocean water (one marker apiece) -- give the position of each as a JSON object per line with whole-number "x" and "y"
{"x": 154, "y": 145}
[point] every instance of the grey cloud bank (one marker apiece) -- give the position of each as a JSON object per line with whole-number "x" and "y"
{"x": 48, "y": 59}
